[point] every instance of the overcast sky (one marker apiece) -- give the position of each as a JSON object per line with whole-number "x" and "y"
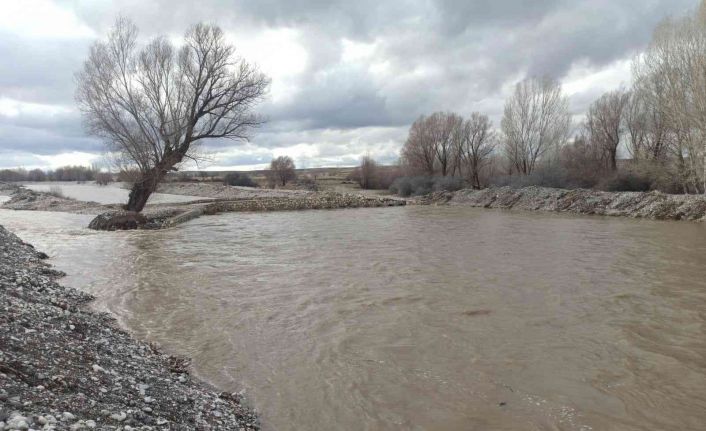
{"x": 348, "y": 77}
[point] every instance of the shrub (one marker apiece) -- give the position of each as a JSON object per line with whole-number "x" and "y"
{"x": 401, "y": 186}
{"x": 56, "y": 191}
{"x": 626, "y": 181}
{"x": 308, "y": 183}
{"x": 128, "y": 175}
{"x": 448, "y": 184}
{"x": 545, "y": 176}
{"x": 282, "y": 171}
{"x": 104, "y": 178}
{"x": 422, "y": 185}
{"x": 239, "y": 179}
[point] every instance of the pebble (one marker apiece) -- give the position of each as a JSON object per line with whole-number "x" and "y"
{"x": 118, "y": 416}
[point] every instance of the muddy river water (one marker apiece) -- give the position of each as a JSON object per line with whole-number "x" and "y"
{"x": 428, "y": 318}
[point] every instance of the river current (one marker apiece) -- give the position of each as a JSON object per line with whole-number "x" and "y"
{"x": 428, "y": 318}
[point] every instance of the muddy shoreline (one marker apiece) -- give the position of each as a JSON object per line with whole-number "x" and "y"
{"x": 63, "y": 366}
{"x": 648, "y": 205}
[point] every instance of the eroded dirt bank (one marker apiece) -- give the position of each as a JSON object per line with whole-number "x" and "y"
{"x": 65, "y": 367}
{"x": 650, "y": 205}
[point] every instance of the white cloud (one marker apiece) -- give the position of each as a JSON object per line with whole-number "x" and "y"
{"x": 41, "y": 18}
{"x": 15, "y": 108}
{"x": 65, "y": 159}
{"x": 278, "y": 53}
{"x": 582, "y": 77}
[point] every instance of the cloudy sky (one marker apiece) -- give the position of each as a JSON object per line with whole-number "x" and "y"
{"x": 348, "y": 77}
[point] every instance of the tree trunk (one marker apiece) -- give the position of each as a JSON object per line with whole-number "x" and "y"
{"x": 476, "y": 180}
{"x": 143, "y": 189}
{"x": 139, "y": 194}
{"x": 613, "y": 160}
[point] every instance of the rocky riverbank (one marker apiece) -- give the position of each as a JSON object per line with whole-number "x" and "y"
{"x": 65, "y": 367}
{"x": 29, "y": 200}
{"x": 650, "y": 205}
{"x": 222, "y": 191}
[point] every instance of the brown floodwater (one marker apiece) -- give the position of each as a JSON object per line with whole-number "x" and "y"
{"x": 416, "y": 318}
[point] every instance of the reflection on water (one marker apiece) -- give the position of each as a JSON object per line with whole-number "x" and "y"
{"x": 415, "y": 318}
{"x": 110, "y": 194}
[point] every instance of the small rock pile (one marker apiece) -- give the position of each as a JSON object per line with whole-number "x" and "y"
{"x": 63, "y": 367}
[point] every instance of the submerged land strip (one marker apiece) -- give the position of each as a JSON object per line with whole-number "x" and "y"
{"x": 158, "y": 216}
{"x": 63, "y": 366}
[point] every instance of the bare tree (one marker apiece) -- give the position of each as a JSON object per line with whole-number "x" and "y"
{"x": 153, "y": 104}
{"x": 648, "y": 133}
{"x": 444, "y": 127}
{"x": 367, "y": 173}
{"x": 676, "y": 60}
{"x": 282, "y": 170}
{"x": 536, "y": 119}
{"x": 605, "y": 124}
{"x": 477, "y": 144}
{"x": 434, "y": 141}
{"x": 419, "y": 150}
{"x": 582, "y": 161}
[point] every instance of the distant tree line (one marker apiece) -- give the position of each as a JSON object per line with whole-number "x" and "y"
{"x": 65, "y": 173}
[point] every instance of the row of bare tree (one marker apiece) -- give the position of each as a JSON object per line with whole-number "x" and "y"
{"x": 448, "y": 144}
{"x": 536, "y": 120}
{"x": 660, "y": 121}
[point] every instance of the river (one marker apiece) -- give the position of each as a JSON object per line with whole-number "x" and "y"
{"x": 414, "y": 318}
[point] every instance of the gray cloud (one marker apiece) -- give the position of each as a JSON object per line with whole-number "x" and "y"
{"x": 419, "y": 56}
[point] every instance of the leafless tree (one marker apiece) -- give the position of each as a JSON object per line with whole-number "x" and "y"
{"x": 104, "y": 178}
{"x": 153, "y": 104}
{"x": 419, "y": 151}
{"x": 605, "y": 122}
{"x": 582, "y": 161}
{"x": 444, "y": 127}
{"x": 536, "y": 119}
{"x": 648, "y": 133}
{"x": 676, "y": 60}
{"x": 367, "y": 173}
{"x": 433, "y": 142}
{"x": 477, "y": 144}
{"x": 282, "y": 170}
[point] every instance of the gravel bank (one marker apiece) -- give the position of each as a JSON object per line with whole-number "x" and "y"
{"x": 221, "y": 191}
{"x": 650, "y": 205}
{"x": 29, "y": 200}
{"x": 65, "y": 367}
